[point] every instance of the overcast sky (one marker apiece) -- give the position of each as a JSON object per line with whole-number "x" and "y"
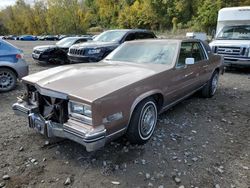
{"x": 4, "y": 3}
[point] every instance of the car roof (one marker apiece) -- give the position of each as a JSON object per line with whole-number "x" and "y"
{"x": 130, "y": 30}
{"x": 85, "y": 37}
{"x": 165, "y": 40}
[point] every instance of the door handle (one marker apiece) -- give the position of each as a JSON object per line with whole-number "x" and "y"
{"x": 186, "y": 75}
{"x": 205, "y": 66}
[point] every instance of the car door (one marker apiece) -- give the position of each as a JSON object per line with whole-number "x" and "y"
{"x": 202, "y": 58}
{"x": 185, "y": 77}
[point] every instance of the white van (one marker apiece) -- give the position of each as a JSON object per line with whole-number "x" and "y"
{"x": 232, "y": 39}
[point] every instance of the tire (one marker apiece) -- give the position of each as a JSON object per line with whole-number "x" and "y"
{"x": 8, "y": 79}
{"x": 43, "y": 63}
{"x": 143, "y": 122}
{"x": 210, "y": 88}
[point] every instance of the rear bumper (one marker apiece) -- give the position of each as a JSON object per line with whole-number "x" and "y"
{"x": 92, "y": 139}
{"x": 22, "y": 68}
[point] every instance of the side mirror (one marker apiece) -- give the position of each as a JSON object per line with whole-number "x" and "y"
{"x": 189, "y": 61}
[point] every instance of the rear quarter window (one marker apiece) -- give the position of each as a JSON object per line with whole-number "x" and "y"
{"x": 144, "y": 36}
{"x": 6, "y": 48}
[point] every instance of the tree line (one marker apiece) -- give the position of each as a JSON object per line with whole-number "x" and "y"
{"x": 81, "y": 16}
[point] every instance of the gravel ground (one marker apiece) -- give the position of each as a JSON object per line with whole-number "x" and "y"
{"x": 200, "y": 142}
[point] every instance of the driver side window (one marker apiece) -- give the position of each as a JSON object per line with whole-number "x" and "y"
{"x": 190, "y": 50}
{"x": 185, "y": 52}
{"x": 130, "y": 36}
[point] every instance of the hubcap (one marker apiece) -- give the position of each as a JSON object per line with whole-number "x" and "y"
{"x": 215, "y": 83}
{"x": 6, "y": 80}
{"x": 148, "y": 120}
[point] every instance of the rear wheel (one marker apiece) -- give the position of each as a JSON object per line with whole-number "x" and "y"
{"x": 143, "y": 122}
{"x": 211, "y": 87}
{"x": 8, "y": 79}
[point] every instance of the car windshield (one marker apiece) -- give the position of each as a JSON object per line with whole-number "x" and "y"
{"x": 241, "y": 32}
{"x": 66, "y": 42}
{"x": 110, "y": 36}
{"x": 154, "y": 52}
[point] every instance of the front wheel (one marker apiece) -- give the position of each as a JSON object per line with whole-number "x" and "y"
{"x": 8, "y": 79}
{"x": 211, "y": 87}
{"x": 143, "y": 122}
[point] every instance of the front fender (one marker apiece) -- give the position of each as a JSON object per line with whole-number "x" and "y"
{"x": 141, "y": 98}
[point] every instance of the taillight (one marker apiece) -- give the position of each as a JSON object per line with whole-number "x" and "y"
{"x": 19, "y": 56}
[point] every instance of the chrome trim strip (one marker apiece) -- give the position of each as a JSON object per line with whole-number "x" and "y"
{"x": 235, "y": 58}
{"x": 204, "y": 50}
{"x": 50, "y": 93}
{"x": 84, "y": 139}
{"x": 177, "y": 101}
{"x": 117, "y": 132}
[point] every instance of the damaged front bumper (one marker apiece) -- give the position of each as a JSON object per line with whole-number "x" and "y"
{"x": 91, "y": 138}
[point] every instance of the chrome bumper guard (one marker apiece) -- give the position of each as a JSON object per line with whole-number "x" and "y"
{"x": 91, "y": 138}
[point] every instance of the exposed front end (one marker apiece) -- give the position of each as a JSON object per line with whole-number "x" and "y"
{"x": 52, "y": 115}
{"x": 22, "y": 68}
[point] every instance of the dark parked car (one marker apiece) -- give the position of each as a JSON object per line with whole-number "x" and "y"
{"x": 12, "y": 66}
{"x": 27, "y": 38}
{"x": 50, "y": 37}
{"x": 10, "y": 37}
{"x": 94, "y": 103}
{"x": 56, "y": 53}
{"x": 105, "y": 43}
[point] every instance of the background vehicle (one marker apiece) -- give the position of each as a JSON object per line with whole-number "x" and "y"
{"x": 27, "y": 37}
{"x": 93, "y": 104}
{"x": 56, "y": 53}
{"x": 232, "y": 38}
{"x": 10, "y": 37}
{"x": 105, "y": 43}
{"x": 50, "y": 37}
{"x": 197, "y": 35}
{"x": 12, "y": 66}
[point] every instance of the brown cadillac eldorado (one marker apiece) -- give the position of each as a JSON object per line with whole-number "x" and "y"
{"x": 95, "y": 103}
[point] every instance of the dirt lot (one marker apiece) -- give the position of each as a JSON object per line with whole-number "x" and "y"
{"x": 201, "y": 143}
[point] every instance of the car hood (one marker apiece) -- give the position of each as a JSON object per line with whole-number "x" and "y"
{"x": 91, "y": 81}
{"x": 45, "y": 47}
{"x": 245, "y": 43}
{"x": 94, "y": 44}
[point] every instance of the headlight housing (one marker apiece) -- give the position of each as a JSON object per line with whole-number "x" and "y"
{"x": 94, "y": 51}
{"x": 80, "y": 112}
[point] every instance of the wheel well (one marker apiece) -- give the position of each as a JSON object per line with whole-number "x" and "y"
{"x": 5, "y": 67}
{"x": 217, "y": 69}
{"x": 158, "y": 99}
